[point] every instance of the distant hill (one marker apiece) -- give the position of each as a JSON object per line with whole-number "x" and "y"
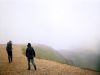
{"x": 83, "y": 58}
{"x": 48, "y": 53}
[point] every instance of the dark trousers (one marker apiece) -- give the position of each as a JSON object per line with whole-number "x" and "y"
{"x": 32, "y": 61}
{"x": 9, "y": 56}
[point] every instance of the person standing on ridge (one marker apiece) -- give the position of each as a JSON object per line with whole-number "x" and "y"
{"x": 9, "y": 51}
{"x": 30, "y": 54}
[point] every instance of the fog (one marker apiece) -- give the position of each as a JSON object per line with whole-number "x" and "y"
{"x": 61, "y": 24}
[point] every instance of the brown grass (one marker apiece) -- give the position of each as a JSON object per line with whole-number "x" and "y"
{"x": 44, "y": 67}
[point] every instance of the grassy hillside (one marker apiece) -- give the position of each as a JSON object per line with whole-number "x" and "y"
{"x": 79, "y": 59}
{"x": 48, "y": 53}
{"x": 83, "y": 58}
{"x": 44, "y": 67}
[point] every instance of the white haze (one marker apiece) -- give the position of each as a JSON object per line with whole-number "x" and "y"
{"x": 61, "y": 24}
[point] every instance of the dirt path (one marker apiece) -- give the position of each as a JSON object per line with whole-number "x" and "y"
{"x": 44, "y": 67}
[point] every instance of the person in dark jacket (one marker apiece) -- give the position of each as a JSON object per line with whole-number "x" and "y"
{"x": 9, "y": 51}
{"x": 30, "y": 54}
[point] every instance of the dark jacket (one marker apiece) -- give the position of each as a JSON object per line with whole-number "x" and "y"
{"x": 9, "y": 46}
{"x": 30, "y": 53}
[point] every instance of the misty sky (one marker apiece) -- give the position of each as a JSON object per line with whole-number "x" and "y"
{"x": 61, "y": 24}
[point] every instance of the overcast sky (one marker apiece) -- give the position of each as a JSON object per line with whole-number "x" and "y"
{"x": 61, "y": 24}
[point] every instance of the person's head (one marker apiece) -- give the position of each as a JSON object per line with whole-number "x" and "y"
{"x": 10, "y": 41}
{"x": 29, "y": 45}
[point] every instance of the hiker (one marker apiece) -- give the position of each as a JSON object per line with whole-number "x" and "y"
{"x": 30, "y": 54}
{"x": 9, "y": 51}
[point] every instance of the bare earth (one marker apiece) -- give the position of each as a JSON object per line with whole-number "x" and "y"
{"x": 44, "y": 67}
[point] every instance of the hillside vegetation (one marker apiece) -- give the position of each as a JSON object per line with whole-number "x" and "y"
{"x": 82, "y": 59}
{"x": 48, "y": 53}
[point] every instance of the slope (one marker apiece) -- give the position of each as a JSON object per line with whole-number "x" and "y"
{"x": 48, "y": 53}
{"x": 44, "y": 67}
{"x": 83, "y": 58}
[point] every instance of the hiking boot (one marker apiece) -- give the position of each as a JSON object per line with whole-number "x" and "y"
{"x": 28, "y": 69}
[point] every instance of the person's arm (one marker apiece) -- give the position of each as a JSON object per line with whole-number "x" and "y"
{"x": 11, "y": 46}
{"x": 7, "y": 46}
{"x": 34, "y": 52}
